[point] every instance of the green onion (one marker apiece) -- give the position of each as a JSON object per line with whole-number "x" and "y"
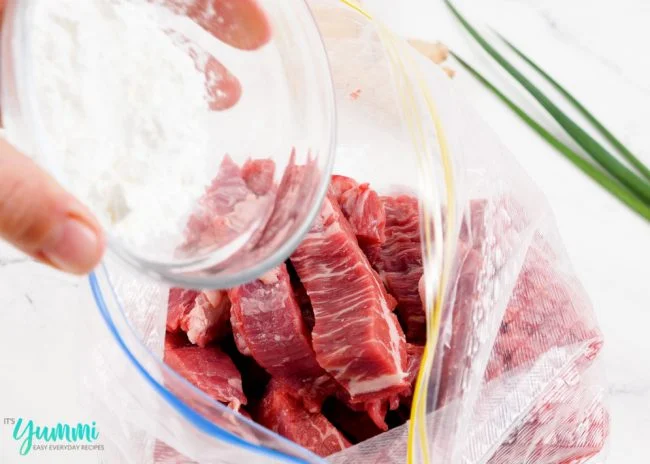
{"x": 609, "y": 184}
{"x": 614, "y": 167}
{"x": 623, "y": 150}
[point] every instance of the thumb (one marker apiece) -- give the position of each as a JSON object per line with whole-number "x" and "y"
{"x": 43, "y": 220}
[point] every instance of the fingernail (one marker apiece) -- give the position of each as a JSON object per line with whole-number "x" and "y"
{"x": 75, "y": 247}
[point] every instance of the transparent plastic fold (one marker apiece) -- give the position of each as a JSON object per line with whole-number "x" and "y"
{"x": 510, "y": 371}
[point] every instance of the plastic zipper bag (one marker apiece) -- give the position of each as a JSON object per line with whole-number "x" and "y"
{"x": 483, "y": 288}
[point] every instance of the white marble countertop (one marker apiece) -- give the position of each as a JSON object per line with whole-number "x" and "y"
{"x": 597, "y": 48}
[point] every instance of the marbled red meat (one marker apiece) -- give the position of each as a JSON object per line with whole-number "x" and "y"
{"x": 569, "y": 427}
{"x": 398, "y": 259}
{"x": 258, "y": 175}
{"x": 356, "y": 337}
{"x": 545, "y": 311}
{"x": 458, "y": 355}
{"x": 494, "y": 228}
{"x": 267, "y": 324}
{"x": 302, "y": 298}
{"x": 362, "y": 207}
{"x": 295, "y": 190}
{"x": 254, "y": 377}
{"x": 341, "y": 184}
{"x": 179, "y": 303}
{"x": 208, "y": 320}
{"x": 232, "y": 207}
{"x": 209, "y": 369}
{"x": 374, "y": 410}
{"x": 414, "y": 355}
{"x": 472, "y": 228}
{"x": 357, "y": 426}
{"x": 354, "y": 367}
{"x": 281, "y": 412}
{"x": 202, "y": 315}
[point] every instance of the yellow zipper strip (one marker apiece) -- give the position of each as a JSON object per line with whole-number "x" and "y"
{"x": 424, "y": 375}
{"x": 356, "y": 7}
{"x": 417, "y": 425}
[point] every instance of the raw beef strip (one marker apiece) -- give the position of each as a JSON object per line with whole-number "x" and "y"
{"x": 494, "y": 228}
{"x": 399, "y": 258}
{"x": 374, "y": 410}
{"x": 254, "y": 377}
{"x": 302, "y": 298}
{"x": 414, "y": 355}
{"x": 356, "y": 426}
{"x": 362, "y": 207}
{"x": 472, "y": 229}
{"x": 204, "y": 315}
{"x": 180, "y": 303}
{"x": 258, "y": 175}
{"x": 357, "y": 338}
{"x": 282, "y": 413}
{"x": 545, "y": 311}
{"x": 458, "y": 354}
{"x": 234, "y": 205}
{"x": 399, "y": 262}
{"x": 267, "y": 324}
{"x": 570, "y": 427}
{"x": 209, "y": 319}
{"x": 209, "y": 369}
{"x": 296, "y": 189}
{"x": 341, "y": 184}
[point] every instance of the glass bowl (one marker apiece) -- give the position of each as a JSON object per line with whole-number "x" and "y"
{"x": 273, "y": 99}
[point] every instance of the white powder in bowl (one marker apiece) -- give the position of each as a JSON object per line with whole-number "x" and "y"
{"x": 125, "y": 111}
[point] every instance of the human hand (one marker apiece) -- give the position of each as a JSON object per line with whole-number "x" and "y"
{"x": 40, "y": 218}
{"x": 43, "y": 220}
